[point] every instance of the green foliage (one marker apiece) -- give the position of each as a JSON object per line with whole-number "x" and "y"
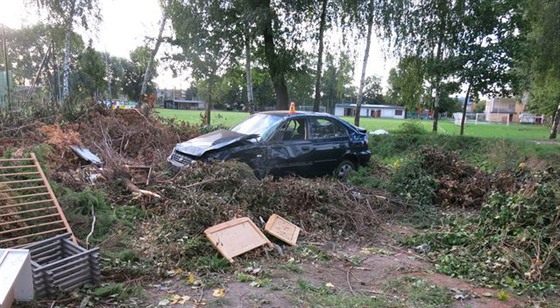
{"x": 80, "y": 208}
{"x": 420, "y": 292}
{"x": 118, "y": 291}
{"x": 513, "y": 242}
{"x": 413, "y": 183}
{"x": 412, "y": 128}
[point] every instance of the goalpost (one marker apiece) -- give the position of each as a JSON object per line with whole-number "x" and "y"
{"x": 476, "y": 118}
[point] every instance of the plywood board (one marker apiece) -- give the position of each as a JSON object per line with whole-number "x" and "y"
{"x": 282, "y": 229}
{"x": 236, "y": 237}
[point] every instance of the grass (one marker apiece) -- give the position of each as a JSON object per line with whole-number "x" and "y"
{"x": 493, "y": 130}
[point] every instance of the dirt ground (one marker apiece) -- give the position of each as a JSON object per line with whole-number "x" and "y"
{"x": 378, "y": 271}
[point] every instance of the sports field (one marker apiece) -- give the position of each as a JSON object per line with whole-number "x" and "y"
{"x": 511, "y": 131}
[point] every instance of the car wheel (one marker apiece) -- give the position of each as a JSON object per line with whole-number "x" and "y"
{"x": 343, "y": 170}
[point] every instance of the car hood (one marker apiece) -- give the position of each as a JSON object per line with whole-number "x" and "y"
{"x": 212, "y": 141}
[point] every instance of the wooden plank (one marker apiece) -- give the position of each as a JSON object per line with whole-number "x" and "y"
{"x": 54, "y": 256}
{"x": 21, "y": 181}
{"x": 29, "y": 211}
{"x": 282, "y": 229}
{"x": 25, "y": 196}
{"x": 39, "y": 244}
{"x": 25, "y": 203}
{"x": 22, "y": 188}
{"x": 76, "y": 282}
{"x": 47, "y": 249}
{"x": 55, "y": 264}
{"x": 27, "y": 219}
{"x": 16, "y": 167}
{"x": 39, "y": 249}
{"x": 236, "y": 237}
{"x": 32, "y": 226}
{"x": 16, "y": 159}
{"x": 70, "y": 270}
{"x": 31, "y": 235}
{"x": 17, "y": 174}
{"x": 53, "y": 197}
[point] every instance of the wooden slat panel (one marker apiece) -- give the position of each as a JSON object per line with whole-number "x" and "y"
{"x": 28, "y": 219}
{"x": 26, "y": 203}
{"x": 17, "y": 174}
{"x": 16, "y": 167}
{"x": 22, "y": 188}
{"x": 33, "y": 226}
{"x": 16, "y": 159}
{"x": 22, "y": 181}
{"x": 30, "y": 211}
{"x": 53, "y": 197}
{"x": 31, "y": 235}
{"x": 25, "y": 196}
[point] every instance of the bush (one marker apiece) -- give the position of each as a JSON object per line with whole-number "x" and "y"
{"x": 411, "y": 128}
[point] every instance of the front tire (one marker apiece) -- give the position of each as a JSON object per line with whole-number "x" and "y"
{"x": 343, "y": 170}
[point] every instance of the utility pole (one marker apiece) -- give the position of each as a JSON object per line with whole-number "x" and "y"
{"x": 7, "y": 68}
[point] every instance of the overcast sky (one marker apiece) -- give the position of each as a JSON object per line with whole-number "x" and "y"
{"x": 126, "y": 23}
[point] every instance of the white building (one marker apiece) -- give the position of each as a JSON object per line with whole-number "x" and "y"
{"x": 371, "y": 111}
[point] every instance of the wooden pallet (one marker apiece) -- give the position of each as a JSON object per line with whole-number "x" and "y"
{"x": 29, "y": 210}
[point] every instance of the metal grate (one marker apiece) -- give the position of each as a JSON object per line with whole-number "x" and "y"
{"x": 29, "y": 211}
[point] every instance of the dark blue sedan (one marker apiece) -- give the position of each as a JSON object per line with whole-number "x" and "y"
{"x": 282, "y": 143}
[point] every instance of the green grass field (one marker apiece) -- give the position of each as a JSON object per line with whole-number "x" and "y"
{"x": 501, "y": 131}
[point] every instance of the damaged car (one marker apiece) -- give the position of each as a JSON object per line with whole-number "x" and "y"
{"x": 280, "y": 143}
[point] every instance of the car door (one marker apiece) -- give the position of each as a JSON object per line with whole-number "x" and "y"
{"x": 289, "y": 150}
{"x": 330, "y": 141}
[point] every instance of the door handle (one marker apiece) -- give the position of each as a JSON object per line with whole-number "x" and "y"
{"x": 306, "y": 148}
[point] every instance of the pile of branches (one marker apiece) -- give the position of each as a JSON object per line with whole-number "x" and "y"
{"x": 207, "y": 194}
{"x": 459, "y": 184}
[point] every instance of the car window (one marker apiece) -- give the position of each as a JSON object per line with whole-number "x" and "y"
{"x": 260, "y": 124}
{"x": 322, "y": 128}
{"x": 293, "y": 129}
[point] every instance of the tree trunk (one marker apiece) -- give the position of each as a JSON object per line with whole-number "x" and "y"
{"x": 147, "y": 76}
{"x": 364, "y": 66}
{"x": 555, "y": 122}
{"x": 317, "y": 101}
{"x": 276, "y": 66}
{"x": 208, "y": 110}
{"x": 67, "y": 50}
{"x": 250, "y": 103}
{"x": 465, "y": 110}
{"x": 66, "y": 66}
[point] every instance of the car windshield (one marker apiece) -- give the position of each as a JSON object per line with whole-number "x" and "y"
{"x": 259, "y": 124}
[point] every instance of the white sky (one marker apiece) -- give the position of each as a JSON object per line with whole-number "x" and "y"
{"x": 126, "y": 23}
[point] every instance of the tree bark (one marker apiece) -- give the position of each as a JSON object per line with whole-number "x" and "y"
{"x": 147, "y": 76}
{"x": 276, "y": 66}
{"x": 208, "y": 110}
{"x": 250, "y": 103}
{"x": 555, "y": 123}
{"x": 364, "y": 66}
{"x": 317, "y": 102}
{"x": 67, "y": 50}
{"x": 465, "y": 110}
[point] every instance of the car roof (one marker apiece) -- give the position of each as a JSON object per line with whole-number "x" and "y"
{"x": 286, "y": 113}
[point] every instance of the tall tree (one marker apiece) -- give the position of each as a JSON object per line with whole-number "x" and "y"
{"x": 203, "y": 30}
{"x": 488, "y": 42}
{"x": 66, "y": 13}
{"x": 159, "y": 40}
{"x": 540, "y": 60}
{"x": 322, "y": 26}
{"x": 370, "y": 12}
{"x": 90, "y": 76}
{"x": 406, "y": 82}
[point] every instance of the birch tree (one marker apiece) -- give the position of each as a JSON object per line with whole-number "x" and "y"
{"x": 69, "y": 14}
